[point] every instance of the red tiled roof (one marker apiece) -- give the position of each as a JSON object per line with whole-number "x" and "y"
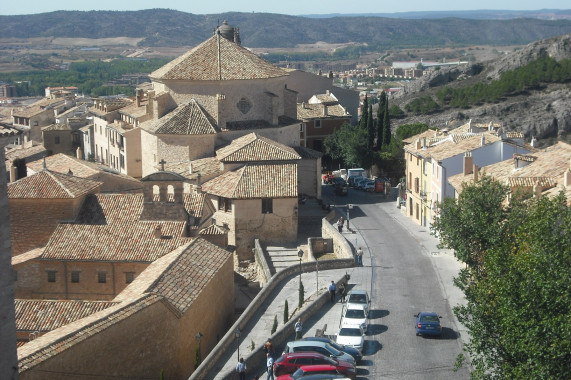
{"x": 217, "y": 59}
{"x": 190, "y": 272}
{"x": 252, "y": 147}
{"x": 51, "y": 185}
{"x": 186, "y": 119}
{"x": 255, "y": 181}
{"x": 47, "y": 315}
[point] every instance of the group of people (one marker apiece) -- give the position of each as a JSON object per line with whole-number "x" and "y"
{"x": 241, "y": 367}
{"x": 333, "y": 291}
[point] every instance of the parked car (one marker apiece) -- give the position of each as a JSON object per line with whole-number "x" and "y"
{"x": 428, "y": 323}
{"x": 319, "y": 369}
{"x": 360, "y": 182}
{"x": 356, "y": 354}
{"x": 355, "y": 316}
{"x": 341, "y": 189}
{"x": 369, "y": 186}
{"x": 324, "y": 376}
{"x": 359, "y": 297}
{"x": 289, "y": 363}
{"x": 352, "y": 337}
{"x": 319, "y": 347}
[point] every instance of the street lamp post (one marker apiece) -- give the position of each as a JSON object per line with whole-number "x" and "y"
{"x": 300, "y": 255}
{"x": 349, "y": 207}
{"x": 237, "y": 333}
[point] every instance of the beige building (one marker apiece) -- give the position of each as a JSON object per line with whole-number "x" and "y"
{"x": 40, "y": 114}
{"x": 432, "y": 157}
{"x": 543, "y": 172}
{"x": 321, "y": 116}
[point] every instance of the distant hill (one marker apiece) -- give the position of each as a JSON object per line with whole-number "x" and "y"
{"x": 543, "y": 112}
{"x": 162, "y": 27}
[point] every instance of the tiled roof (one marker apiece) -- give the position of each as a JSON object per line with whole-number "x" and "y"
{"x": 32, "y": 152}
{"x": 305, "y": 152}
{"x": 454, "y": 145}
{"x": 548, "y": 165}
{"x": 47, "y": 315}
{"x": 134, "y": 111}
{"x": 213, "y": 229}
{"x": 255, "y": 181}
{"x": 57, "y": 127}
{"x": 62, "y": 163}
{"x": 186, "y": 119}
{"x": 194, "y": 203}
{"x": 51, "y": 185}
{"x": 514, "y": 135}
{"x": 525, "y": 157}
{"x": 206, "y": 167}
{"x": 316, "y": 111}
{"x": 544, "y": 182}
{"x": 104, "y": 106}
{"x": 252, "y": 147}
{"x": 6, "y": 131}
{"x": 37, "y": 351}
{"x": 325, "y": 98}
{"x": 217, "y": 59}
{"x": 189, "y": 273}
{"x": 38, "y": 107}
{"x": 108, "y": 229}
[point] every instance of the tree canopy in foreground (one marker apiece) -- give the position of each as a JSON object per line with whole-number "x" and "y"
{"x": 517, "y": 281}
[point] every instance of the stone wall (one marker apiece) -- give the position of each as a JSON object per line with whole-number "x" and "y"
{"x": 228, "y": 341}
{"x": 341, "y": 247}
{"x": 8, "y": 358}
{"x": 136, "y": 339}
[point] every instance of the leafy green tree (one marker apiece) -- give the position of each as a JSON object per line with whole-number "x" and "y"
{"x": 517, "y": 283}
{"x": 396, "y": 112}
{"x": 349, "y": 144}
{"x": 408, "y": 130}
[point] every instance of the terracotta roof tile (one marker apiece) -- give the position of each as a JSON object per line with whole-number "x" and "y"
{"x": 47, "y": 315}
{"x": 62, "y": 163}
{"x": 108, "y": 229}
{"x": 218, "y": 59}
{"x": 255, "y": 181}
{"x": 252, "y": 147}
{"x": 186, "y": 119}
{"x": 213, "y": 229}
{"x": 33, "y": 153}
{"x": 51, "y": 185}
{"x": 316, "y": 111}
{"x": 6, "y": 131}
{"x": 57, "y": 127}
{"x": 189, "y": 273}
{"x": 307, "y": 152}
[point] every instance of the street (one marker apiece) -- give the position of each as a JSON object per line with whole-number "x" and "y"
{"x": 404, "y": 283}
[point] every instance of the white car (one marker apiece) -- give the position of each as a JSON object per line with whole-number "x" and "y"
{"x": 355, "y": 316}
{"x": 352, "y": 337}
{"x": 369, "y": 186}
{"x": 359, "y": 297}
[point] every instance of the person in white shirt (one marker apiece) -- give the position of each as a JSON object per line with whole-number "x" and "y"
{"x": 241, "y": 369}
{"x": 298, "y": 328}
{"x": 270, "y": 365}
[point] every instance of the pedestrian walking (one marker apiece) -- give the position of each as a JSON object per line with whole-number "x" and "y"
{"x": 298, "y": 329}
{"x": 270, "y": 365}
{"x": 268, "y": 347}
{"x": 359, "y": 256}
{"x": 342, "y": 292}
{"x": 340, "y": 223}
{"x": 241, "y": 368}
{"x": 332, "y": 290}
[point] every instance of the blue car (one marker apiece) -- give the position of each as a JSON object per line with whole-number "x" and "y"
{"x": 428, "y": 324}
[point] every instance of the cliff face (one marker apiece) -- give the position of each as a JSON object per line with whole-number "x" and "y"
{"x": 543, "y": 114}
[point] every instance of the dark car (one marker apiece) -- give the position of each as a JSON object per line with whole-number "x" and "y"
{"x": 289, "y": 363}
{"x": 341, "y": 188}
{"x": 306, "y": 370}
{"x": 428, "y": 324}
{"x": 356, "y": 354}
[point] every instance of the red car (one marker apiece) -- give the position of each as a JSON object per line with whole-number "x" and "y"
{"x": 289, "y": 363}
{"x": 319, "y": 369}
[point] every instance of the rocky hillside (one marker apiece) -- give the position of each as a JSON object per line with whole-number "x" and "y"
{"x": 544, "y": 114}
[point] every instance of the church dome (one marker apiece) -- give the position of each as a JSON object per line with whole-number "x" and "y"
{"x": 226, "y": 31}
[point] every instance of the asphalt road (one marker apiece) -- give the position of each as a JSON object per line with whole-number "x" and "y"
{"x": 404, "y": 283}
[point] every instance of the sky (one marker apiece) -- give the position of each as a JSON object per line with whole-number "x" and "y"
{"x": 289, "y": 7}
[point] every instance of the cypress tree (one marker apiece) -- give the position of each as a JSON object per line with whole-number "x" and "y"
{"x": 381, "y": 119}
{"x": 386, "y": 125}
{"x": 370, "y": 129}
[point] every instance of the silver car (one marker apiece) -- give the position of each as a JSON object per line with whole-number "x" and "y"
{"x": 320, "y": 347}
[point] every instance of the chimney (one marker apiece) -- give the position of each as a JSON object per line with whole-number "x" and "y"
{"x": 424, "y": 143}
{"x": 418, "y": 146}
{"x": 190, "y": 168}
{"x": 537, "y": 190}
{"x": 79, "y": 153}
{"x": 324, "y": 110}
{"x": 533, "y": 142}
{"x": 158, "y": 232}
{"x": 567, "y": 178}
{"x": 13, "y": 174}
{"x": 138, "y": 97}
{"x": 475, "y": 170}
{"x": 468, "y": 162}
{"x": 327, "y": 92}
{"x": 483, "y": 141}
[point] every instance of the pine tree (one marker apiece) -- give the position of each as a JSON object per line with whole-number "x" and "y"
{"x": 381, "y": 119}
{"x": 386, "y": 125}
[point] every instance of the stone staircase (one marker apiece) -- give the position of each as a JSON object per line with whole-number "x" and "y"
{"x": 282, "y": 257}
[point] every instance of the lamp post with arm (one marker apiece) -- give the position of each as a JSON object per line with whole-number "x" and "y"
{"x": 300, "y": 255}
{"x": 237, "y": 333}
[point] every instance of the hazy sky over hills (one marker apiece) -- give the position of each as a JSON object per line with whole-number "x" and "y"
{"x": 290, "y": 7}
